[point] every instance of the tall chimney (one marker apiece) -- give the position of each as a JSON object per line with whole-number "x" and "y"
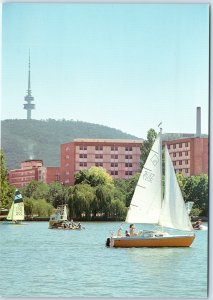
{"x": 198, "y": 122}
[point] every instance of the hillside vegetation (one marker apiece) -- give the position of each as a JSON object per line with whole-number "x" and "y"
{"x": 41, "y": 139}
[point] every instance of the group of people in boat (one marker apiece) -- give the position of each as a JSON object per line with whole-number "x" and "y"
{"x": 197, "y": 226}
{"x": 67, "y": 225}
{"x": 131, "y": 231}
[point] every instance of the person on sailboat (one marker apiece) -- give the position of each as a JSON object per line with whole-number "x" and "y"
{"x": 132, "y": 230}
{"x": 127, "y": 233}
{"x": 119, "y": 233}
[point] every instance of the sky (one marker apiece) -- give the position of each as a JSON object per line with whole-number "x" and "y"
{"x": 126, "y": 66}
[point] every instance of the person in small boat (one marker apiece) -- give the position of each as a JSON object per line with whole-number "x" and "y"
{"x": 132, "y": 230}
{"x": 79, "y": 225}
{"x": 127, "y": 233}
{"x": 119, "y": 233}
{"x": 197, "y": 224}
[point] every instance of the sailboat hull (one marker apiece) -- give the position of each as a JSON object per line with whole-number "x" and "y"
{"x": 158, "y": 241}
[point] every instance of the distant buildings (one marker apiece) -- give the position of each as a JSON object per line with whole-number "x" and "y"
{"x": 33, "y": 170}
{"x": 120, "y": 158}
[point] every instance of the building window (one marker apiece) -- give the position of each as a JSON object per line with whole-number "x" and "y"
{"x": 98, "y": 147}
{"x": 186, "y": 161}
{"x": 174, "y": 154}
{"x": 174, "y": 146}
{"x": 83, "y": 155}
{"x": 186, "y": 144}
{"x": 114, "y": 148}
{"x": 99, "y": 164}
{"x": 180, "y": 162}
{"x": 114, "y": 156}
{"x": 83, "y": 147}
{"x": 168, "y": 146}
{"x": 128, "y": 164}
{"x": 128, "y": 172}
{"x": 128, "y": 148}
{"x": 98, "y": 155}
{"x": 67, "y": 156}
{"x": 186, "y": 170}
{"x": 174, "y": 163}
{"x": 114, "y": 164}
{"x": 114, "y": 172}
{"x": 67, "y": 149}
{"x": 128, "y": 156}
{"x": 180, "y": 145}
{"x": 83, "y": 164}
{"x": 186, "y": 153}
{"x": 180, "y": 153}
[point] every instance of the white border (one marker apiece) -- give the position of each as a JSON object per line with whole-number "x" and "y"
{"x": 210, "y": 2}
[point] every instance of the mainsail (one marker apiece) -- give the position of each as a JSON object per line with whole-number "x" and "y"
{"x": 146, "y": 202}
{"x": 174, "y": 213}
{"x": 16, "y": 212}
{"x": 64, "y": 217}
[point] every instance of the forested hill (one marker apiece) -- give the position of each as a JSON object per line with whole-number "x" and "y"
{"x": 41, "y": 139}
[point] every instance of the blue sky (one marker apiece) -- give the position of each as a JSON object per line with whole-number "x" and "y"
{"x": 127, "y": 66}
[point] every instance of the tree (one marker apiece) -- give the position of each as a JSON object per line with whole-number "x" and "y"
{"x": 80, "y": 199}
{"x": 147, "y": 145}
{"x": 118, "y": 210}
{"x": 56, "y": 194}
{"x": 94, "y": 176}
{"x": 6, "y": 190}
{"x": 104, "y": 195}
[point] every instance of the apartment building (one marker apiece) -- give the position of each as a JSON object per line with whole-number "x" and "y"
{"x": 121, "y": 158}
{"x": 189, "y": 155}
{"x": 33, "y": 170}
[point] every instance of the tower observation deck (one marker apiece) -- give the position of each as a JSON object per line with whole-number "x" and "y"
{"x": 29, "y": 98}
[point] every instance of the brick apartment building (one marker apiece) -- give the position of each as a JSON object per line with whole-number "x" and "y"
{"x": 33, "y": 170}
{"x": 189, "y": 155}
{"x": 121, "y": 158}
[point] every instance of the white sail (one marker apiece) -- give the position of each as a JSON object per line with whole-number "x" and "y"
{"x": 174, "y": 213}
{"x": 16, "y": 212}
{"x": 146, "y": 202}
{"x": 64, "y": 217}
{"x": 10, "y": 214}
{"x": 189, "y": 206}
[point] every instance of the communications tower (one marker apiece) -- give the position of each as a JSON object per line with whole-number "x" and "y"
{"x": 29, "y": 98}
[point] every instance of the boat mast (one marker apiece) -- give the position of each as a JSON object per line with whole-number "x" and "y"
{"x": 161, "y": 162}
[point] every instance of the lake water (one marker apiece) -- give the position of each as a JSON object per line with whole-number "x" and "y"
{"x": 38, "y": 262}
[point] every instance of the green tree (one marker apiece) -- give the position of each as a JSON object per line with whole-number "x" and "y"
{"x": 80, "y": 199}
{"x": 28, "y": 207}
{"x": 104, "y": 195}
{"x": 94, "y": 176}
{"x": 56, "y": 194}
{"x": 42, "y": 209}
{"x": 147, "y": 145}
{"x": 6, "y": 190}
{"x": 118, "y": 210}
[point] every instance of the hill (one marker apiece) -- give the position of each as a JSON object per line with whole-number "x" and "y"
{"x": 41, "y": 139}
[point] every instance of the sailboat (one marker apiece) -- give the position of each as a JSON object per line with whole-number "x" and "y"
{"x": 59, "y": 220}
{"x": 150, "y": 207}
{"x": 16, "y": 212}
